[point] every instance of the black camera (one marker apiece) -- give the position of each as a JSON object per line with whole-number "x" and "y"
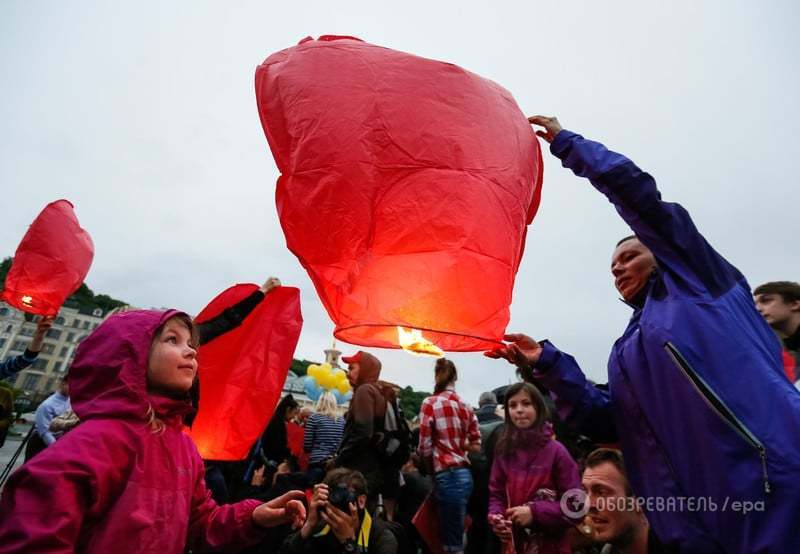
{"x": 341, "y": 497}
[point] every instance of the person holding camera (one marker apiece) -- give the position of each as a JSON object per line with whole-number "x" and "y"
{"x": 338, "y": 520}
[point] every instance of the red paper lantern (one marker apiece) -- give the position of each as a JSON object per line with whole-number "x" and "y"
{"x": 406, "y": 189}
{"x": 295, "y": 435}
{"x": 790, "y": 366}
{"x": 50, "y": 263}
{"x": 242, "y": 371}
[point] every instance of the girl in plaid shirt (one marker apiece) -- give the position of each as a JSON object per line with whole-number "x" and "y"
{"x": 448, "y": 429}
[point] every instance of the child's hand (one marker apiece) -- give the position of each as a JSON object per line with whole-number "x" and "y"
{"x": 284, "y": 509}
{"x": 501, "y": 527}
{"x": 520, "y": 515}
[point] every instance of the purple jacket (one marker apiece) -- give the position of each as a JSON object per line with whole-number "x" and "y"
{"x": 538, "y": 472}
{"x": 697, "y": 393}
{"x": 112, "y": 484}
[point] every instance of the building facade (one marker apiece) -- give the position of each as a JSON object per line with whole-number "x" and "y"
{"x": 71, "y": 326}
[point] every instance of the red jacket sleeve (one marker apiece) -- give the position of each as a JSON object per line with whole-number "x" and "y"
{"x": 46, "y": 500}
{"x": 213, "y": 527}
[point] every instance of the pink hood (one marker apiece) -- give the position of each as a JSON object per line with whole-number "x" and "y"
{"x": 113, "y": 484}
{"x": 108, "y": 377}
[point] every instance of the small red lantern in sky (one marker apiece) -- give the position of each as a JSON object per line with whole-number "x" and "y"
{"x": 50, "y": 263}
{"x": 406, "y": 189}
{"x": 242, "y": 371}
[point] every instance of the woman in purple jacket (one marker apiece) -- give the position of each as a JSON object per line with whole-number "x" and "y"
{"x": 530, "y": 473}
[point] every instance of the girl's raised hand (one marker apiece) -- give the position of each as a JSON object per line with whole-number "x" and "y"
{"x": 501, "y": 527}
{"x": 520, "y": 515}
{"x": 284, "y": 509}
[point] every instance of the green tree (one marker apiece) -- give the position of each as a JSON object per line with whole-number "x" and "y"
{"x": 300, "y": 367}
{"x": 5, "y": 265}
{"x": 411, "y": 400}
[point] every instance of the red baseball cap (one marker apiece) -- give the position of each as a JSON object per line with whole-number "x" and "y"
{"x": 355, "y": 358}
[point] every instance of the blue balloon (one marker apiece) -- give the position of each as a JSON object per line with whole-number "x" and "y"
{"x": 312, "y": 388}
{"x": 342, "y": 398}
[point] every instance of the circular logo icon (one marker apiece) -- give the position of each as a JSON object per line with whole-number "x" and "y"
{"x": 573, "y": 504}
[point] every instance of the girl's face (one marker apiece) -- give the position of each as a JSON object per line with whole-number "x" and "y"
{"x": 521, "y": 410}
{"x": 172, "y": 364}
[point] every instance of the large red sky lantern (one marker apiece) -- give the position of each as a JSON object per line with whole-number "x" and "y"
{"x": 242, "y": 371}
{"x": 406, "y": 189}
{"x": 50, "y": 263}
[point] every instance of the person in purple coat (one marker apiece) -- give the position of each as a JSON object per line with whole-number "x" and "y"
{"x": 530, "y": 474}
{"x": 697, "y": 396}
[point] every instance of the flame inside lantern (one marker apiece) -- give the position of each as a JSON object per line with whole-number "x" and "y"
{"x": 412, "y": 341}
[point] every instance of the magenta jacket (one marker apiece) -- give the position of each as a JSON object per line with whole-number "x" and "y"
{"x": 537, "y": 473}
{"x": 112, "y": 484}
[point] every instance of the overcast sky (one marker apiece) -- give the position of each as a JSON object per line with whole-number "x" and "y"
{"x": 143, "y": 115}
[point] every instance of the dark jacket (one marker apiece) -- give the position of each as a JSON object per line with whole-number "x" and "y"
{"x": 380, "y": 541}
{"x": 11, "y": 366}
{"x": 480, "y": 537}
{"x": 486, "y": 414}
{"x": 697, "y": 394}
{"x": 791, "y": 356}
{"x": 792, "y": 343}
{"x": 654, "y": 546}
{"x": 229, "y": 319}
{"x": 274, "y": 441}
{"x": 363, "y": 422}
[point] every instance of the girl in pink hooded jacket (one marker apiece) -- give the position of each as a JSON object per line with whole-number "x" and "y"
{"x": 530, "y": 474}
{"x": 127, "y": 479}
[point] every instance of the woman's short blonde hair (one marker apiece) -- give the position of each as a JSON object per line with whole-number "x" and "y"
{"x": 326, "y": 405}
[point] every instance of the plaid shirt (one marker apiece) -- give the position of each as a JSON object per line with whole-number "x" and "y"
{"x": 447, "y": 425}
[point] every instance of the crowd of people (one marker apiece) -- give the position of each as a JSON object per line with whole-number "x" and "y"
{"x": 690, "y": 447}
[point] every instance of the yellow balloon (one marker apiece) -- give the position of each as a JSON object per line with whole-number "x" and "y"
{"x": 313, "y": 370}
{"x": 343, "y": 387}
{"x": 327, "y": 381}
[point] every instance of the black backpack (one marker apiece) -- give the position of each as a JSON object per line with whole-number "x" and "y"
{"x": 395, "y": 445}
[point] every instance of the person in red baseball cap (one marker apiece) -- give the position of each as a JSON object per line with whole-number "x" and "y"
{"x": 364, "y": 420}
